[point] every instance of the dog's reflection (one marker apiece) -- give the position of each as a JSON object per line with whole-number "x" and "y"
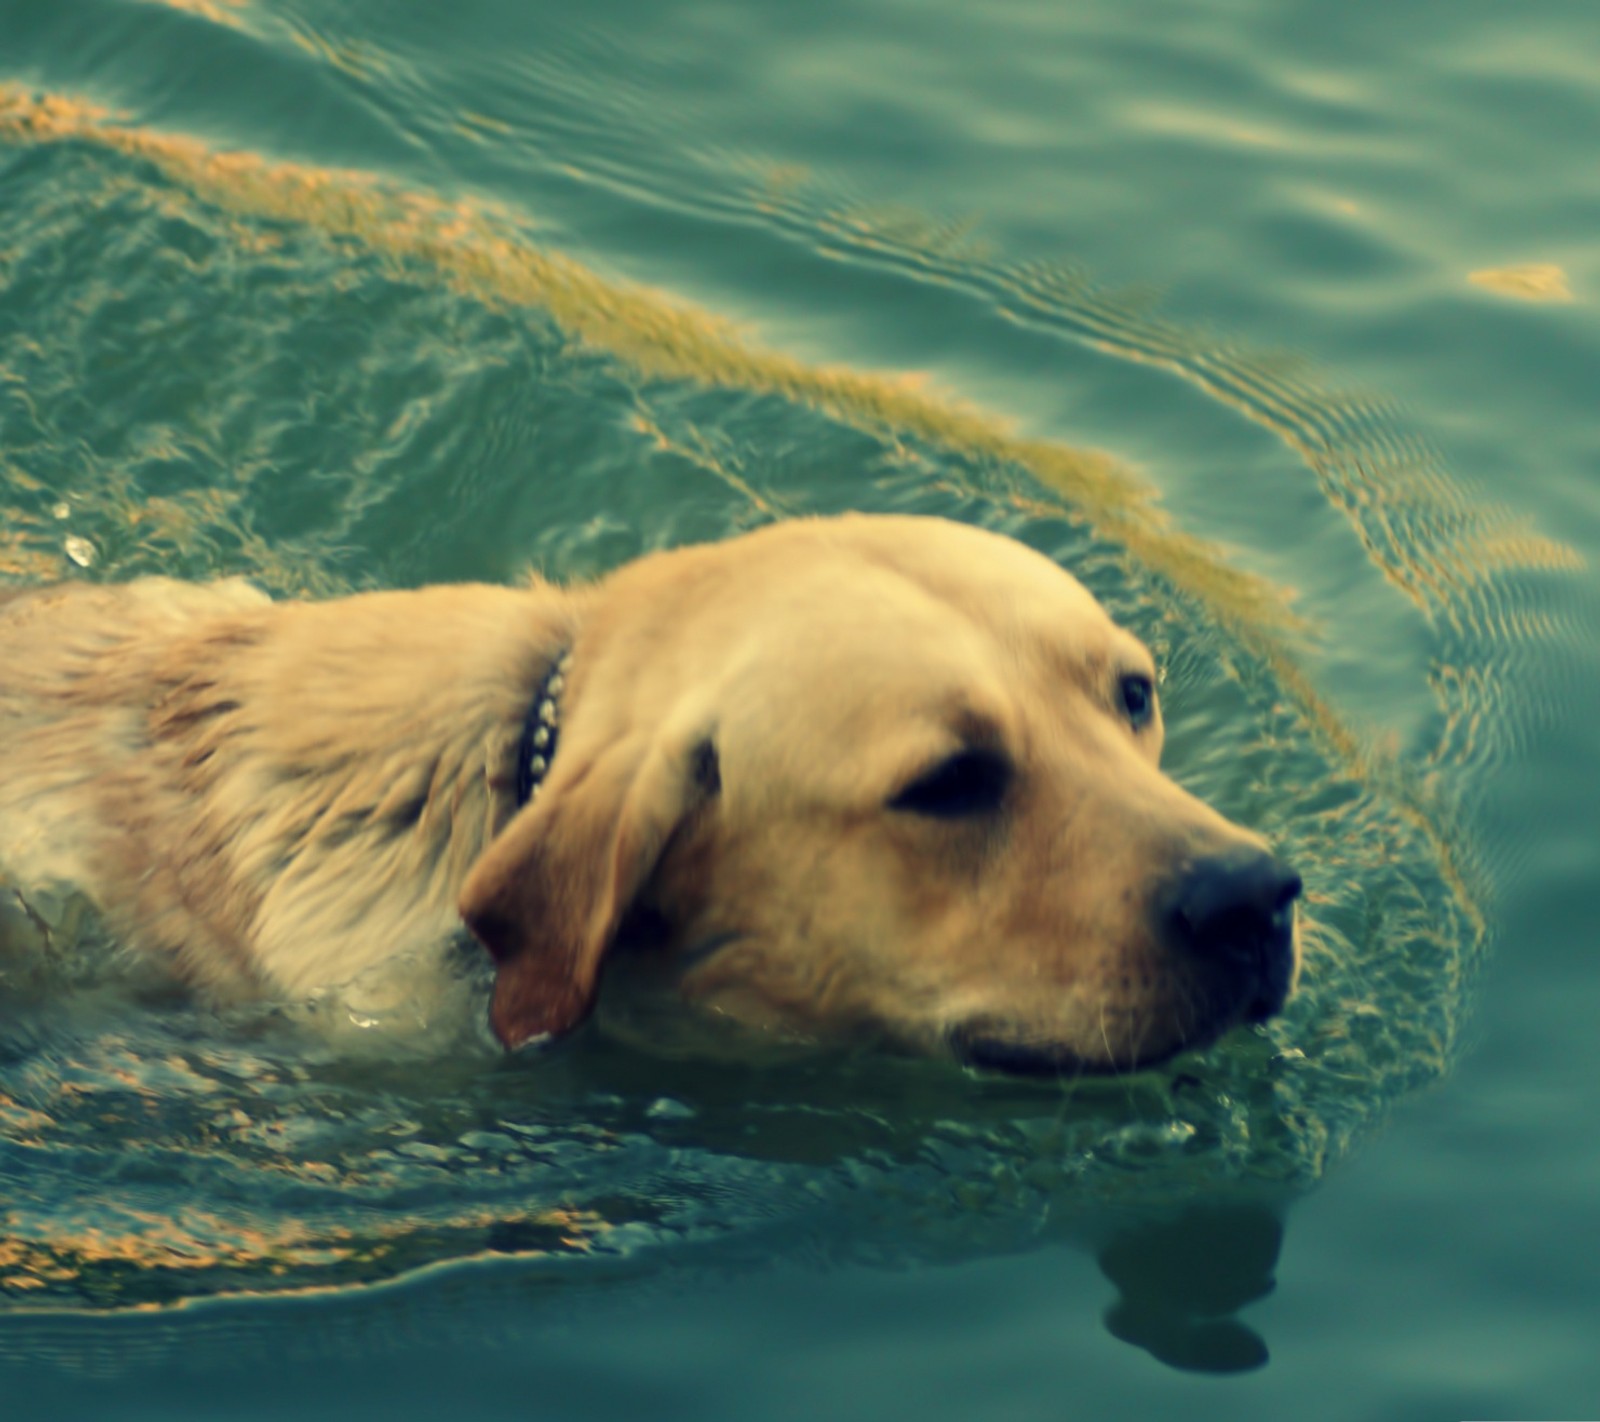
{"x": 1182, "y": 1279}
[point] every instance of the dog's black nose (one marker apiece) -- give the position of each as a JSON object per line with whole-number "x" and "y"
{"x": 1237, "y": 910}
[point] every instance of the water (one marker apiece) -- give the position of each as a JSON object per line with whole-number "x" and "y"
{"x": 1274, "y": 321}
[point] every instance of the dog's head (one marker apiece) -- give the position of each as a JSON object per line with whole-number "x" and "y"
{"x": 892, "y": 776}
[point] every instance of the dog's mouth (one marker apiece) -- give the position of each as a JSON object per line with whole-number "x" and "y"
{"x": 988, "y": 1044}
{"x": 1228, "y": 964}
{"x": 987, "y": 1050}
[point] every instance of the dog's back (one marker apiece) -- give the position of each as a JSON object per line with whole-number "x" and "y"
{"x": 76, "y": 663}
{"x": 277, "y": 793}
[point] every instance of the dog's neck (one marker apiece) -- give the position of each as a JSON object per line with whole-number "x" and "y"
{"x": 541, "y": 732}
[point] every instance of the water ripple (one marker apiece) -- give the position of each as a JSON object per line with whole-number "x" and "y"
{"x": 369, "y": 383}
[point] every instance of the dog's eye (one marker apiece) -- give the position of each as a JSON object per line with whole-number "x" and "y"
{"x": 1138, "y": 697}
{"x": 971, "y": 782}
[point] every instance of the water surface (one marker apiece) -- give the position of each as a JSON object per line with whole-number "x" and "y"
{"x": 1272, "y": 321}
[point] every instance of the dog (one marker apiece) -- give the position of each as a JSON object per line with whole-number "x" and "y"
{"x": 855, "y": 778}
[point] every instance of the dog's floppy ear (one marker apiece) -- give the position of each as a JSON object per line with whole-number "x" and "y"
{"x": 550, "y": 892}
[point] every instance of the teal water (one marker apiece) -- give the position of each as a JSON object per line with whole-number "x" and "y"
{"x": 340, "y": 294}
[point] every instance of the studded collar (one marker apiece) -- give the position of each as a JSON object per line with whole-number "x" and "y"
{"x": 541, "y": 731}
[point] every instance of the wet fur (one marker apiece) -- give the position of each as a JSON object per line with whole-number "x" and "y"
{"x": 277, "y": 796}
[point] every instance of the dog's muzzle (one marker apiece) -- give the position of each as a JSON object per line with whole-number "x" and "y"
{"x": 1234, "y": 914}
{"x": 1227, "y": 922}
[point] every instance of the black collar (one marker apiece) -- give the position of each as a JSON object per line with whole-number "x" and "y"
{"x": 541, "y": 731}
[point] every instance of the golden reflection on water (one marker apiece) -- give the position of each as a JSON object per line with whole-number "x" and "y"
{"x": 1534, "y": 281}
{"x": 23, "y": 562}
{"x": 197, "y": 1242}
{"x": 219, "y": 12}
{"x": 476, "y": 247}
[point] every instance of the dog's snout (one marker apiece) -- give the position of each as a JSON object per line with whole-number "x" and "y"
{"x": 1237, "y": 910}
{"x": 1224, "y": 903}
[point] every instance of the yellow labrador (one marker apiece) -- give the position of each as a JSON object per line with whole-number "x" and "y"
{"x": 865, "y": 775}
